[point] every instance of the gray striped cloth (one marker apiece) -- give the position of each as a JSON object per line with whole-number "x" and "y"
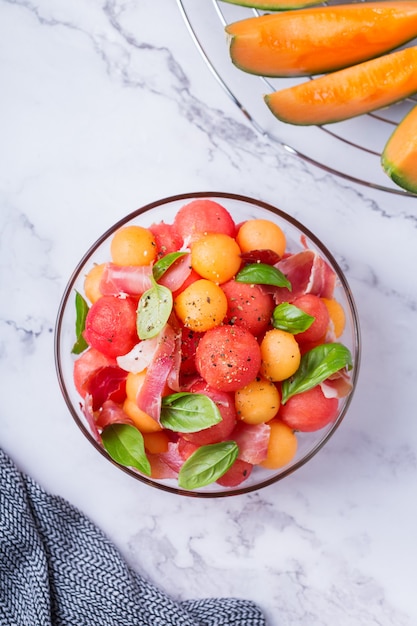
{"x": 58, "y": 569}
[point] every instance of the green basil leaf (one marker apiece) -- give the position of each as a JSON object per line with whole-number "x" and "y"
{"x": 207, "y": 464}
{"x": 81, "y": 308}
{"x": 315, "y": 366}
{"x": 189, "y": 412}
{"x": 291, "y": 318}
{"x": 163, "y": 264}
{"x": 154, "y": 309}
{"x": 125, "y": 445}
{"x": 263, "y": 274}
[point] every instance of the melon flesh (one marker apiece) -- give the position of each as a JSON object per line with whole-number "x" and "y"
{"x": 317, "y": 40}
{"x": 399, "y": 157}
{"x": 349, "y": 92}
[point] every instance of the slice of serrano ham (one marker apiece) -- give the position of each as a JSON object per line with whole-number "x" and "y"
{"x": 307, "y": 273}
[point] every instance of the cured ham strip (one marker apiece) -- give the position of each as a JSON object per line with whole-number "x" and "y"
{"x": 307, "y": 273}
{"x": 173, "y": 379}
{"x": 172, "y": 457}
{"x": 149, "y": 397}
{"x": 111, "y": 413}
{"x": 337, "y": 386}
{"x": 160, "y": 468}
{"x": 132, "y": 280}
{"x": 87, "y": 409}
{"x": 107, "y": 383}
{"x": 177, "y": 274}
{"x": 252, "y": 440}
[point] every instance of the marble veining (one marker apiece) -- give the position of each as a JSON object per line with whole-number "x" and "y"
{"x": 106, "y": 106}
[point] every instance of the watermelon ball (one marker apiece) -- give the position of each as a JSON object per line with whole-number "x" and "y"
{"x": 222, "y": 430}
{"x": 309, "y": 411}
{"x": 228, "y": 357}
{"x": 203, "y": 216}
{"x": 249, "y": 306}
{"x": 235, "y": 475}
{"x": 314, "y": 306}
{"x": 110, "y": 325}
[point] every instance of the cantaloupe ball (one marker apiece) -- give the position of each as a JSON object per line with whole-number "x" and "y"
{"x": 337, "y": 315}
{"x": 216, "y": 256}
{"x": 92, "y": 282}
{"x": 133, "y": 245}
{"x": 280, "y": 354}
{"x": 282, "y": 445}
{"x": 257, "y": 402}
{"x": 261, "y": 234}
{"x": 144, "y": 422}
{"x": 201, "y": 306}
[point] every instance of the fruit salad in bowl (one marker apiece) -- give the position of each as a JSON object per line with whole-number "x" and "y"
{"x": 208, "y": 344}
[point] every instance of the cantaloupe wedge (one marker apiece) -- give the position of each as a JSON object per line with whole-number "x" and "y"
{"x": 349, "y": 92}
{"x": 275, "y": 5}
{"x": 317, "y": 40}
{"x": 399, "y": 157}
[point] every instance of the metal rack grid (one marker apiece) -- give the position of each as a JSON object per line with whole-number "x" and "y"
{"x": 350, "y": 149}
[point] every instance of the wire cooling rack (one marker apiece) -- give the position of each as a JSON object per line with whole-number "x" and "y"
{"x": 350, "y": 149}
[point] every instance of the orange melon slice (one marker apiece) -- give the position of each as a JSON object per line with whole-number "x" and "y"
{"x": 349, "y": 92}
{"x": 318, "y": 40}
{"x": 399, "y": 157}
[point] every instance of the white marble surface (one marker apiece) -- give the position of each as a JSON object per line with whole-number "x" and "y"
{"x": 105, "y": 106}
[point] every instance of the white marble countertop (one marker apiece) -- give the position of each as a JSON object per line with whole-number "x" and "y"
{"x": 106, "y": 106}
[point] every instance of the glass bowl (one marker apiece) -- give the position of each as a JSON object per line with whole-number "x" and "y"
{"x": 241, "y": 208}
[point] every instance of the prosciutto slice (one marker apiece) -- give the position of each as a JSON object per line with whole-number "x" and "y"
{"x": 131, "y": 280}
{"x": 160, "y": 468}
{"x": 339, "y": 385}
{"x": 177, "y": 274}
{"x": 112, "y": 413}
{"x": 252, "y": 440}
{"x": 157, "y": 373}
{"x": 87, "y": 409}
{"x": 307, "y": 273}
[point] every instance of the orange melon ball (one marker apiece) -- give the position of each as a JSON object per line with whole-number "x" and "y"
{"x": 282, "y": 445}
{"x": 261, "y": 234}
{"x": 134, "y": 382}
{"x": 92, "y": 282}
{"x": 216, "y": 256}
{"x": 201, "y": 306}
{"x": 337, "y": 315}
{"x": 280, "y": 355}
{"x": 143, "y": 422}
{"x": 156, "y": 443}
{"x": 257, "y": 402}
{"x": 133, "y": 245}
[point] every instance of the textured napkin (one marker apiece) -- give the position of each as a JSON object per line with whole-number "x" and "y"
{"x": 58, "y": 569}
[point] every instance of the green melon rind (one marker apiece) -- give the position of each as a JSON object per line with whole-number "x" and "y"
{"x": 394, "y": 168}
{"x": 399, "y": 177}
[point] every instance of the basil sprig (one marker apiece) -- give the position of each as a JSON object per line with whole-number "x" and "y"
{"x": 154, "y": 309}
{"x": 124, "y": 443}
{"x": 81, "y": 309}
{"x": 315, "y": 366}
{"x": 163, "y": 264}
{"x": 263, "y": 274}
{"x": 291, "y": 318}
{"x": 186, "y": 412}
{"x": 207, "y": 464}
